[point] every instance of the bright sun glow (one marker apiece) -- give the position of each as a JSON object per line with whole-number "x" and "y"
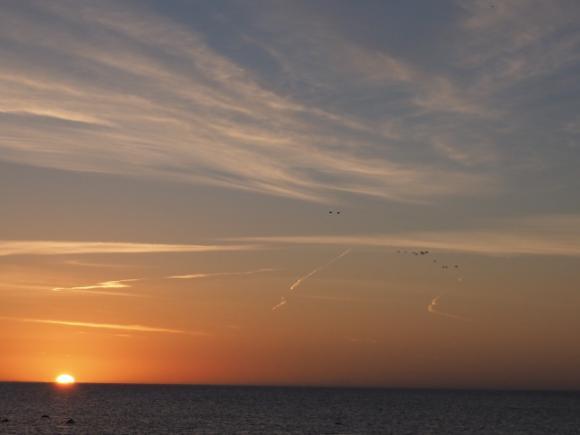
{"x": 65, "y": 379}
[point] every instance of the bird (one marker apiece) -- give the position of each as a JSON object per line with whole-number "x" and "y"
{"x": 4, "y": 420}
{"x": 70, "y": 421}
{"x": 45, "y": 416}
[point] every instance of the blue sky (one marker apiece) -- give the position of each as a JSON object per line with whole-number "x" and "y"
{"x": 402, "y": 102}
{"x": 469, "y": 107}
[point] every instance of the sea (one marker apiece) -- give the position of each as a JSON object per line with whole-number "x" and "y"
{"x": 29, "y": 408}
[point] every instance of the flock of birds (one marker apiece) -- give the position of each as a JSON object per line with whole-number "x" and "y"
{"x": 416, "y": 253}
{"x": 443, "y": 266}
{"x": 432, "y": 307}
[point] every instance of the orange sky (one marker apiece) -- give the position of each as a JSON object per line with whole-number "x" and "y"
{"x": 363, "y": 320}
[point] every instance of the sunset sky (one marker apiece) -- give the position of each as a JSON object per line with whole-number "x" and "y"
{"x": 168, "y": 168}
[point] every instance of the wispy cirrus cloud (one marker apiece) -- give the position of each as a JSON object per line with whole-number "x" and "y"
{"x": 334, "y": 112}
{"x": 110, "y": 288}
{"x": 220, "y": 274}
{"x": 540, "y": 235}
{"x": 113, "y": 326}
{"x": 42, "y": 247}
{"x": 99, "y": 265}
{"x": 122, "y": 283}
{"x": 151, "y": 98}
{"x": 23, "y": 286}
{"x": 105, "y": 288}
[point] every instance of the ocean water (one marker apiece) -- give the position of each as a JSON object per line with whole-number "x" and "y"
{"x": 142, "y": 409}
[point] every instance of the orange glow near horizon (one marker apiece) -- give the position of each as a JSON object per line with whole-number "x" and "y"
{"x": 65, "y": 379}
{"x": 220, "y": 329}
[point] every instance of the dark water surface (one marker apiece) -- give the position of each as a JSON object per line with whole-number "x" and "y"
{"x": 141, "y": 409}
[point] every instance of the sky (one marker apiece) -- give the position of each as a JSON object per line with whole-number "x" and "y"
{"x": 327, "y": 192}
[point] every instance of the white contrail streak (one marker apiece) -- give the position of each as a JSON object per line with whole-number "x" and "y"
{"x": 300, "y": 280}
{"x": 218, "y": 274}
{"x": 283, "y": 302}
{"x": 432, "y": 308}
{"x": 303, "y": 278}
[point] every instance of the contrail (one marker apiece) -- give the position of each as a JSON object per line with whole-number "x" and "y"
{"x": 300, "y": 280}
{"x": 217, "y": 274}
{"x": 283, "y": 302}
{"x": 433, "y": 310}
{"x": 303, "y": 278}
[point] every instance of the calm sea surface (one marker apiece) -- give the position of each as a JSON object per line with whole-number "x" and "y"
{"x": 140, "y": 409}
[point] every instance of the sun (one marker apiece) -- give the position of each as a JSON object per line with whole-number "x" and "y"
{"x": 65, "y": 379}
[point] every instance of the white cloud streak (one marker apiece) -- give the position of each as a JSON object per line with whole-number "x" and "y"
{"x": 23, "y": 286}
{"x": 105, "y": 287}
{"x": 121, "y": 283}
{"x": 220, "y": 274}
{"x": 102, "y": 288}
{"x": 40, "y": 247}
{"x": 541, "y": 235}
{"x": 97, "y": 265}
{"x": 113, "y": 326}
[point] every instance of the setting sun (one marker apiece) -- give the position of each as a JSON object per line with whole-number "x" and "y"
{"x": 65, "y": 379}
